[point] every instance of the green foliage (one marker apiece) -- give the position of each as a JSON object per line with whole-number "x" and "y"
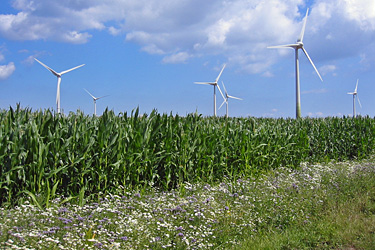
{"x": 339, "y": 214}
{"x": 315, "y": 206}
{"x": 79, "y": 156}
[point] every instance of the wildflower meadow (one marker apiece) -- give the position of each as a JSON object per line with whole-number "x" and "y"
{"x": 194, "y": 216}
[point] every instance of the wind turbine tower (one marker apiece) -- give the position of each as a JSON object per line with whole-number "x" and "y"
{"x": 296, "y": 46}
{"x": 214, "y": 84}
{"x": 95, "y": 99}
{"x": 58, "y": 75}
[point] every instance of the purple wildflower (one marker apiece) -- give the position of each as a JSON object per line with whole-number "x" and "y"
{"x": 80, "y": 218}
{"x": 137, "y": 195}
{"x": 65, "y": 220}
{"x": 98, "y": 245}
{"x": 49, "y": 232}
{"x": 63, "y": 210}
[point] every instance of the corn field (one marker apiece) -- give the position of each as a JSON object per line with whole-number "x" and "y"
{"x": 42, "y": 153}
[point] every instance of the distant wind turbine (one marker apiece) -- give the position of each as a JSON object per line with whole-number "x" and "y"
{"x": 355, "y": 94}
{"x": 58, "y": 75}
{"x": 214, "y": 84}
{"x": 226, "y": 98}
{"x": 95, "y": 99}
{"x": 296, "y": 46}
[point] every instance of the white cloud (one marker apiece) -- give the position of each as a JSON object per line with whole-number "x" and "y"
{"x": 75, "y": 37}
{"x": 267, "y": 74}
{"x": 114, "y": 31}
{"x": 362, "y": 12}
{"x": 217, "y": 34}
{"x": 179, "y": 57}
{"x": 239, "y": 30}
{"x": 24, "y": 4}
{"x": 324, "y": 70}
{"x": 341, "y": 28}
{"x": 29, "y": 60}
{"x": 7, "y": 70}
{"x": 35, "y": 24}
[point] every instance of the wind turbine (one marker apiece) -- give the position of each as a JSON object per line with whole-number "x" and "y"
{"x": 214, "y": 84}
{"x": 95, "y": 99}
{"x": 296, "y": 46}
{"x": 58, "y": 75}
{"x": 355, "y": 94}
{"x": 226, "y": 98}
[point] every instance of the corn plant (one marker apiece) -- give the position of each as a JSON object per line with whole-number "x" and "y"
{"x": 43, "y": 154}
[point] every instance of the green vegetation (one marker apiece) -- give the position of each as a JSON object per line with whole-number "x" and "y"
{"x": 341, "y": 214}
{"x": 328, "y": 206}
{"x": 43, "y": 155}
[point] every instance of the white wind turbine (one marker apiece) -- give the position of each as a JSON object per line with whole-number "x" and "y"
{"x": 95, "y": 99}
{"x": 355, "y": 94}
{"x": 58, "y": 75}
{"x": 299, "y": 45}
{"x": 226, "y": 98}
{"x": 214, "y": 84}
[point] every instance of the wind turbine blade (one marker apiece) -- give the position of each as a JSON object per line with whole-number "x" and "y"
{"x": 225, "y": 90}
{"x": 283, "y": 46}
{"x": 359, "y": 102}
{"x": 101, "y": 97}
{"x": 52, "y": 71}
{"x": 207, "y": 83}
{"x": 220, "y": 91}
{"x": 300, "y": 38}
{"x": 66, "y": 71}
{"x": 90, "y": 94}
{"x": 223, "y": 103}
{"x": 217, "y": 79}
{"x": 308, "y": 57}
{"x": 356, "y": 86}
{"x": 233, "y": 97}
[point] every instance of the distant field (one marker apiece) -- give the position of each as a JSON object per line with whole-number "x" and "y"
{"x": 43, "y": 154}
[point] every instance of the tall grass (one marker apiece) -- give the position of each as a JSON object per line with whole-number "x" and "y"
{"x": 337, "y": 214}
{"x": 42, "y": 153}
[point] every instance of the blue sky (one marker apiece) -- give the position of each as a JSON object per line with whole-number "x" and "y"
{"x": 149, "y": 53}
